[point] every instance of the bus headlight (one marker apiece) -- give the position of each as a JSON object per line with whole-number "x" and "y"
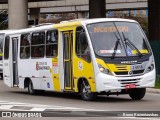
{"x": 150, "y": 68}
{"x": 104, "y": 70}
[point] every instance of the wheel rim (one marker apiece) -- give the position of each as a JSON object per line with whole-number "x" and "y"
{"x": 86, "y": 91}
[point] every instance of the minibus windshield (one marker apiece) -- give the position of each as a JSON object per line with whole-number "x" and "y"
{"x": 118, "y": 39}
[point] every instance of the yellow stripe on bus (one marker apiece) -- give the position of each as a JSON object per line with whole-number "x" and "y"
{"x": 55, "y": 75}
{"x": 142, "y": 51}
{"x": 56, "y": 82}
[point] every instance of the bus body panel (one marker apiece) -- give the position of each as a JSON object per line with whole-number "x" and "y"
{"x": 83, "y": 69}
{"x": 55, "y": 74}
{"x": 7, "y": 73}
{"x": 38, "y": 70}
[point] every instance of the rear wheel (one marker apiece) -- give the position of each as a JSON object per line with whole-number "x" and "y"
{"x": 137, "y": 94}
{"x": 1, "y": 76}
{"x": 31, "y": 89}
{"x": 86, "y": 93}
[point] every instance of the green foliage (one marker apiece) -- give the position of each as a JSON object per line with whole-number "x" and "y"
{"x": 3, "y": 20}
{"x": 157, "y": 85}
{"x": 143, "y": 21}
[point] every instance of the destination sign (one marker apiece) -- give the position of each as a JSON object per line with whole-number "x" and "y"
{"x": 111, "y": 29}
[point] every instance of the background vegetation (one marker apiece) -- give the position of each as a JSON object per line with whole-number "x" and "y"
{"x": 3, "y": 20}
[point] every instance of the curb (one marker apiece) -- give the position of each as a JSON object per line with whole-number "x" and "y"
{"x": 153, "y": 90}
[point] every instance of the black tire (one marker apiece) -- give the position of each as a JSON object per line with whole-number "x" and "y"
{"x": 31, "y": 89}
{"x": 86, "y": 93}
{"x": 1, "y": 76}
{"x": 137, "y": 94}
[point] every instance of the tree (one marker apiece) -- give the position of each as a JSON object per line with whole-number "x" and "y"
{"x": 3, "y": 20}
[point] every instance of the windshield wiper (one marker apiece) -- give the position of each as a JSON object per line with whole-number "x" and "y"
{"x": 115, "y": 47}
{"x": 131, "y": 45}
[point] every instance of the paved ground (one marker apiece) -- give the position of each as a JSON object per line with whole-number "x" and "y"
{"x": 20, "y": 100}
{"x": 152, "y": 90}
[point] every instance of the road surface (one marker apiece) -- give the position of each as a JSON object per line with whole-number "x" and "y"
{"x": 60, "y": 104}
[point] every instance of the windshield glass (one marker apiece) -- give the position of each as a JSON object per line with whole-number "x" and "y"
{"x": 119, "y": 38}
{"x": 1, "y": 45}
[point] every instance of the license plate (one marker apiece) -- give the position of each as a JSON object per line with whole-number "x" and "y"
{"x": 130, "y": 86}
{"x": 136, "y": 67}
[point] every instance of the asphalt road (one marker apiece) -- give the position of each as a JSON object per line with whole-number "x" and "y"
{"x": 14, "y": 99}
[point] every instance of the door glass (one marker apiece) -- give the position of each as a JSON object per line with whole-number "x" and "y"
{"x": 67, "y": 74}
{"x": 15, "y": 66}
{"x": 66, "y": 46}
{"x": 6, "y": 48}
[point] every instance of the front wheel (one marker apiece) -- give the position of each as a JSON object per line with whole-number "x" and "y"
{"x": 86, "y": 93}
{"x": 137, "y": 94}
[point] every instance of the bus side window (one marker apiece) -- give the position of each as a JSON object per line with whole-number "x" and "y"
{"x": 6, "y": 48}
{"x": 25, "y": 46}
{"x": 52, "y": 43}
{"x": 37, "y": 44}
{"x": 82, "y": 48}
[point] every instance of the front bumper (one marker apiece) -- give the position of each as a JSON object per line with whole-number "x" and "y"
{"x": 106, "y": 83}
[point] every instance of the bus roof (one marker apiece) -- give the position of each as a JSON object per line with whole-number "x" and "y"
{"x": 32, "y": 29}
{"x": 6, "y": 31}
{"x": 90, "y": 21}
{"x": 78, "y": 22}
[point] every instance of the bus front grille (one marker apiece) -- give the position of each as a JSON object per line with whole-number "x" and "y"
{"x": 121, "y": 73}
{"x": 121, "y": 67}
{"x": 135, "y": 72}
{"x": 138, "y": 72}
{"x": 125, "y": 82}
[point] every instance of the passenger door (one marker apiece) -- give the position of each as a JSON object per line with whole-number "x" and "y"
{"x": 15, "y": 40}
{"x": 67, "y": 59}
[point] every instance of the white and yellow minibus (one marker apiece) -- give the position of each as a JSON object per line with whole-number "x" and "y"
{"x": 105, "y": 56}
